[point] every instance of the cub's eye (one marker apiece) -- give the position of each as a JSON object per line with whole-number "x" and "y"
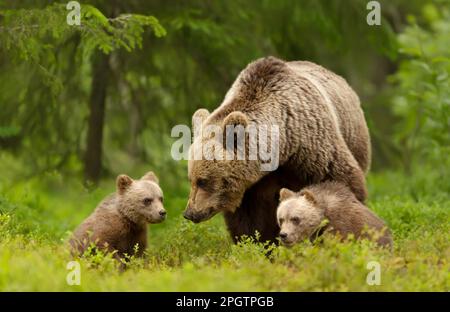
{"x": 201, "y": 183}
{"x": 147, "y": 201}
{"x": 281, "y": 221}
{"x": 295, "y": 220}
{"x": 161, "y": 199}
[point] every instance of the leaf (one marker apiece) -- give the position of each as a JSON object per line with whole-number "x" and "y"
{"x": 442, "y": 76}
{"x": 93, "y": 11}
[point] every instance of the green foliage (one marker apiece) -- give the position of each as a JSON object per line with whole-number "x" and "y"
{"x": 422, "y": 96}
{"x": 124, "y": 31}
{"x": 46, "y": 77}
{"x": 36, "y": 32}
{"x": 36, "y": 217}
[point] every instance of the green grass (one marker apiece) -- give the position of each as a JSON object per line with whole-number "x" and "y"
{"x": 37, "y": 216}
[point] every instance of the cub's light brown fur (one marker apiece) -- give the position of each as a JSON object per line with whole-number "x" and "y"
{"x": 302, "y": 215}
{"x": 323, "y": 136}
{"x": 120, "y": 221}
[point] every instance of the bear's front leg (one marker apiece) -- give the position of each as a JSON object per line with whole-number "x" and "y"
{"x": 257, "y": 211}
{"x": 346, "y": 169}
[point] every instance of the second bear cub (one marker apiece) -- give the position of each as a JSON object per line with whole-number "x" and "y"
{"x": 119, "y": 222}
{"x": 301, "y": 215}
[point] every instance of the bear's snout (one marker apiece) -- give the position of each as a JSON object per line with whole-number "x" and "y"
{"x": 163, "y": 214}
{"x": 286, "y": 239}
{"x": 194, "y": 217}
{"x": 198, "y": 216}
{"x": 187, "y": 215}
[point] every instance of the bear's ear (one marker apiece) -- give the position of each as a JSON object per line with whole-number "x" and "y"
{"x": 308, "y": 196}
{"x": 285, "y": 194}
{"x": 123, "y": 182}
{"x": 151, "y": 177}
{"x": 199, "y": 117}
{"x": 235, "y": 119}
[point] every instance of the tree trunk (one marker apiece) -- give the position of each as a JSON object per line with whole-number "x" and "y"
{"x": 93, "y": 156}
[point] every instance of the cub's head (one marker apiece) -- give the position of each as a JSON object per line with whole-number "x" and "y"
{"x": 218, "y": 181}
{"x": 298, "y": 216}
{"x": 141, "y": 200}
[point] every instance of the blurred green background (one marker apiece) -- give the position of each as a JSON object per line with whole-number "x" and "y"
{"x": 98, "y": 99}
{"x": 81, "y": 104}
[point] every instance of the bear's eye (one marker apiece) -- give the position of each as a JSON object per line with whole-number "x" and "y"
{"x": 147, "y": 201}
{"x": 281, "y": 220}
{"x": 201, "y": 183}
{"x": 295, "y": 220}
{"x": 161, "y": 199}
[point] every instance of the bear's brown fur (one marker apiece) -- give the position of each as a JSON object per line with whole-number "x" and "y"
{"x": 323, "y": 136}
{"x": 302, "y": 215}
{"x": 119, "y": 222}
{"x": 258, "y": 208}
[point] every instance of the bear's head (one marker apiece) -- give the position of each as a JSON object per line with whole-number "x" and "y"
{"x": 141, "y": 200}
{"x": 298, "y": 215}
{"x": 219, "y": 173}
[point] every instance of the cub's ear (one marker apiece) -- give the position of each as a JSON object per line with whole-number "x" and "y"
{"x": 198, "y": 118}
{"x": 235, "y": 119}
{"x": 151, "y": 177}
{"x": 123, "y": 182}
{"x": 308, "y": 196}
{"x": 285, "y": 194}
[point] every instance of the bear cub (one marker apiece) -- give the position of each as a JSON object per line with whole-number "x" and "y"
{"x": 302, "y": 215}
{"x": 119, "y": 222}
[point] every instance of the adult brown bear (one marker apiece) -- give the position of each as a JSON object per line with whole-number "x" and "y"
{"x": 322, "y": 136}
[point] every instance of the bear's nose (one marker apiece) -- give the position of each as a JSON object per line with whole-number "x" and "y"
{"x": 283, "y": 235}
{"x": 162, "y": 213}
{"x": 187, "y": 216}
